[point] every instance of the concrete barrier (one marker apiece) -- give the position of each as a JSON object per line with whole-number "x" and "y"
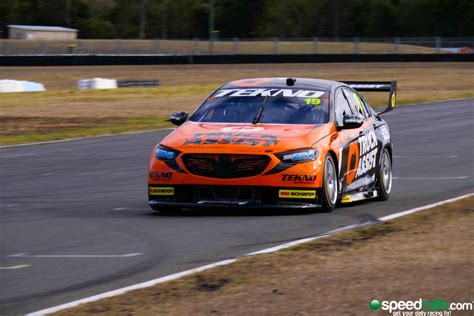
{"x": 20, "y": 86}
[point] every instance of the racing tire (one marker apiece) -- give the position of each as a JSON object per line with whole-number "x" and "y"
{"x": 385, "y": 176}
{"x": 329, "y": 189}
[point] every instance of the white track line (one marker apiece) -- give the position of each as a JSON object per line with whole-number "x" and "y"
{"x": 20, "y": 266}
{"x": 27, "y": 255}
{"x": 224, "y": 262}
{"x": 414, "y": 210}
{"x": 287, "y": 245}
{"x": 431, "y": 178}
{"x": 130, "y": 288}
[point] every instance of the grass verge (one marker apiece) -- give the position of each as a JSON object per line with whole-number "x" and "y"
{"x": 69, "y": 130}
{"x": 425, "y": 255}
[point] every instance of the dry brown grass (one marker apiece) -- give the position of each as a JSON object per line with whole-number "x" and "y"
{"x": 427, "y": 255}
{"x": 185, "y": 86}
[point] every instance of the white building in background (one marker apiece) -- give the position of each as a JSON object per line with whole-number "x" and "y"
{"x": 36, "y": 32}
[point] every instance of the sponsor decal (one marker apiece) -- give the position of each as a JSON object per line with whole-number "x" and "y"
{"x": 246, "y": 139}
{"x": 265, "y": 92}
{"x": 242, "y": 129}
{"x": 346, "y": 199}
{"x": 369, "y": 86}
{"x": 157, "y": 175}
{"x": 251, "y": 82}
{"x": 298, "y": 178}
{"x": 163, "y": 191}
{"x": 362, "y": 156}
{"x": 297, "y": 194}
{"x": 223, "y": 202}
{"x": 367, "y": 152}
{"x": 385, "y": 132}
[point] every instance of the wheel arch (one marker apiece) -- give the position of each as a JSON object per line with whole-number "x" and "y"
{"x": 336, "y": 165}
{"x": 389, "y": 148}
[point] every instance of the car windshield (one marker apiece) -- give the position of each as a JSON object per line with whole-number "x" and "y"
{"x": 277, "y": 106}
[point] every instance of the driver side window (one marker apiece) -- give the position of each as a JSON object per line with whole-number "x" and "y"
{"x": 342, "y": 107}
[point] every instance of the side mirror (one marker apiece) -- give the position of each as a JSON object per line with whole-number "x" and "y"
{"x": 179, "y": 118}
{"x": 352, "y": 121}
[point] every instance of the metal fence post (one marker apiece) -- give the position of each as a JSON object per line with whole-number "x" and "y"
{"x": 355, "y": 48}
{"x": 43, "y": 49}
{"x": 275, "y": 45}
{"x": 196, "y": 46}
{"x": 119, "y": 47}
{"x": 438, "y": 41}
{"x": 316, "y": 45}
{"x": 396, "y": 48}
{"x": 236, "y": 46}
{"x": 210, "y": 49}
{"x": 157, "y": 46}
{"x": 80, "y": 47}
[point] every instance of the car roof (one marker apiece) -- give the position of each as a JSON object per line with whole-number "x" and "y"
{"x": 281, "y": 82}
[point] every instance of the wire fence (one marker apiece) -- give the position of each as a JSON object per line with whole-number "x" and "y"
{"x": 235, "y": 46}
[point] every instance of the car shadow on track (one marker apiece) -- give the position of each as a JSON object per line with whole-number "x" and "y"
{"x": 215, "y": 212}
{"x": 234, "y": 212}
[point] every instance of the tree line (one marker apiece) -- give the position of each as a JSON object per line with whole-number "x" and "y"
{"x": 245, "y": 18}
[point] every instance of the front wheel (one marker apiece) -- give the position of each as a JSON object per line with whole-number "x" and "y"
{"x": 385, "y": 176}
{"x": 330, "y": 180}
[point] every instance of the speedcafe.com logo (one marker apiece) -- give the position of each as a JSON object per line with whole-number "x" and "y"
{"x": 420, "y": 307}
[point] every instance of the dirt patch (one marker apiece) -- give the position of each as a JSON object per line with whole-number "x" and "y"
{"x": 425, "y": 255}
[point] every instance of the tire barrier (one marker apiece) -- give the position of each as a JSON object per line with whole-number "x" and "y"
{"x": 124, "y": 83}
{"x": 96, "y": 83}
{"x": 101, "y": 83}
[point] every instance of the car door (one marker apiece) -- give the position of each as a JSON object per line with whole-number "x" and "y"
{"x": 348, "y": 140}
{"x": 364, "y": 147}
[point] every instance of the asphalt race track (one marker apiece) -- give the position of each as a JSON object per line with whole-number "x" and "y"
{"x": 75, "y": 221}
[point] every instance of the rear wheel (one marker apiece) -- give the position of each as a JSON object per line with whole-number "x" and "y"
{"x": 385, "y": 176}
{"x": 330, "y": 180}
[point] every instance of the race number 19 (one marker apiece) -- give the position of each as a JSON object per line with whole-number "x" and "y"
{"x": 313, "y": 101}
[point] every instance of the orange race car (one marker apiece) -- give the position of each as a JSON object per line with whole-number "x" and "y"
{"x": 275, "y": 143}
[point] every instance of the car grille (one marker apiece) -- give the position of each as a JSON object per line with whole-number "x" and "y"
{"x": 225, "y": 166}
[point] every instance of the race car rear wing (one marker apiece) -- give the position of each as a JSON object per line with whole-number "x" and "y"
{"x": 377, "y": 86}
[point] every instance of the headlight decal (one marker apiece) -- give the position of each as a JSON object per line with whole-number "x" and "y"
{"x": 165, "y": 153}
{"x": 293, "y": 157}
{"x": 168, "y": 156}
{"x": 298, "y": 156}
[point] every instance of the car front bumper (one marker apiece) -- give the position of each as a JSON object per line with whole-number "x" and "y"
{"x": 194, "y": 196}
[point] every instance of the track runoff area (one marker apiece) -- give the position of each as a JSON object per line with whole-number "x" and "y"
{"x": 423, "y": 175}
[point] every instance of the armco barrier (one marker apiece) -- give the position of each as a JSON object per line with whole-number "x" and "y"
{"x": 90, "y": 60}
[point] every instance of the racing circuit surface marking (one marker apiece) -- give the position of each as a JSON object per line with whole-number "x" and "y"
{"x": 20, "y": 266}
{"x": 66, "y": 213}
{"x": 228, "y": 261}
{"x": 27, "y": 255}
{"x": 431, "y": 178}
